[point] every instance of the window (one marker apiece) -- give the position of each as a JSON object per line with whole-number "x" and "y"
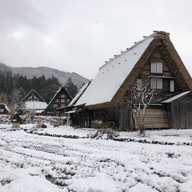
{"x": 54, "y": 105}
{"x": 62, "y": 100}
{"x": 62, "y": 96}
{"x": 156, "y": 67}
{"x": 62, "y": 105}
{"x": 2, "y": 110}
{"x": 172, "y": 85}
{"x": 156, "y": 83}
{"x": 139, "y": 84}
{"x": 57, "y": 100}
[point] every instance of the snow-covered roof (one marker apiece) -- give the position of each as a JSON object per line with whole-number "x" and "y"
{"x": 175, "y": 97}
{"x": 7, "y": 108}
{"x": 33, "y": 96}
{"x": 110, "y": 77}
{"x": 58, "y": 91}
{"x": 38, "y": 111}
{"x": 35, "y": 105}
{"x": 5, "y": 105}
{"x": 78, "y": 95}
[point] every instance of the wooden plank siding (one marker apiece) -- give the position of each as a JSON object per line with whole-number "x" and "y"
{"x": 154, "y": 118}
{"x": 181, "y": 112}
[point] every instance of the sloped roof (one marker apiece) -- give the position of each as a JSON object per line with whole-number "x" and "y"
{"x": 5, "y": 106}
{"x": 176, "y": 97}
{"x": 61, "y": 89}
{"x": 110, "y": 77}
{"x": 35, "y": 105}
{"x": 114, "y": 78}
{"x": 16, "y": 118}
{"x": 78, "y": 95}
{"x": 33, "y": 92}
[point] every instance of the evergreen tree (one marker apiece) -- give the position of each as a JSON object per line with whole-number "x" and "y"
{"x": 15, "y": 86}
{"x": 71, "y": 87}
{"x": 23, "y": 82}
{"x": 9, "y": 82}
{"x": 2, "y": 81}
{"x": 49, "y": 91}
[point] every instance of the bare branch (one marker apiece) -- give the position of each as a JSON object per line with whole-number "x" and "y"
{"x": 139, "y": 99}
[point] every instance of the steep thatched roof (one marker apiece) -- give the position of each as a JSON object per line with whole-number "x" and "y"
{"x": 59, "y": 91}
{"x": 117, "y": 75}
{"x": 33, "y": 96}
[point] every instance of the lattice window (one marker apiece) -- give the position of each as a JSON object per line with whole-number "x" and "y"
{"x": 157, "y": 67}
{"x": 156, "y": 83}
{"x": 62, "y": 100}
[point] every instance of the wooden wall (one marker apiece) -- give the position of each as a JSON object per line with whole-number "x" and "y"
{"x": 180, "y": 112}
{"x": 167, "y": 75}
{"x": 155, "y": 118}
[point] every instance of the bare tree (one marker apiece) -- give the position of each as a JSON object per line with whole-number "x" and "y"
{"x": 17, "y": 99}
{"x": 139, "y": 99}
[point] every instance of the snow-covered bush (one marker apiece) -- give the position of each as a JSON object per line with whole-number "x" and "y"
{"x": 105, "y": 133}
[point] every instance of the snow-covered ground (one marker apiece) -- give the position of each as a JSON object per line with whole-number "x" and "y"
{"x": 53, "y": 162}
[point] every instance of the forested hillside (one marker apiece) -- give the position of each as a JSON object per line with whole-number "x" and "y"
{"x": 14, "y": 87}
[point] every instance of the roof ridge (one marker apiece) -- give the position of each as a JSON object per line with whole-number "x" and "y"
{"x": 33, "y": 90}
{"x": 126, "y": 50}
{"x": 155, "y": 33}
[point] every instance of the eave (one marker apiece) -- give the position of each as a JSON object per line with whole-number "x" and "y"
{"x": 174, "y": 62}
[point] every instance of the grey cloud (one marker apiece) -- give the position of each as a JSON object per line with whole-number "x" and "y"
{"x": 74, "y": 35}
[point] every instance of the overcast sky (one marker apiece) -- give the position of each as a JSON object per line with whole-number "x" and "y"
{"x": 80, "y": 35}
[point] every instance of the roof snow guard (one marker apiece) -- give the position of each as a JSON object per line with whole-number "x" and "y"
{"x": 155, "y": 33}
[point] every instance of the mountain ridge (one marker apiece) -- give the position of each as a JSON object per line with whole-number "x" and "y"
{"x": 48, "y": 72}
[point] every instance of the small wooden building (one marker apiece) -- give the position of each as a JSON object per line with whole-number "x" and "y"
{"x": 4, "y": 110}
{"x": 16, "y": 121}
{"x": 34, "y": 103}
{"x": 179, "y": 110}
{"x": 60, "y": 100}
{"x": 154, "y": 58}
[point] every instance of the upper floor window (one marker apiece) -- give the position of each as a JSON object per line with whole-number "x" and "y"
{"x": 62, "y": 100}
{"x": 156, "y": 83}
{"x": 55, "y": 105}
{"x": 156, "y": 67}
{"x": 172, "y": 86}
{"x": 62, "y": 95}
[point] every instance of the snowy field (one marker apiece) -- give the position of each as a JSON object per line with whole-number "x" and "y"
{"x": 50, "y": 161}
